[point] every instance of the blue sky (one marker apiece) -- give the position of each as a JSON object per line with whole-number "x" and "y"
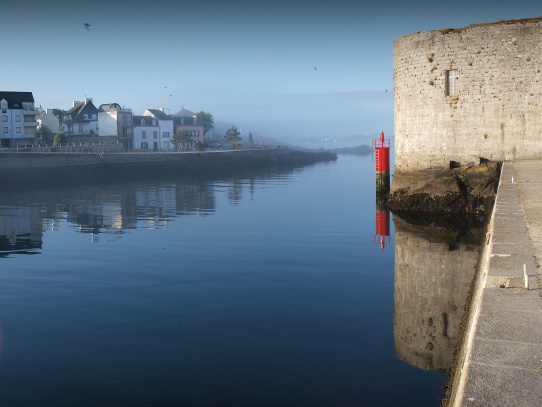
{"x": 248, "y": 63}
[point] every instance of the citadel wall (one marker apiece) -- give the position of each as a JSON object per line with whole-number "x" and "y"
{"x": 469, "y": 93}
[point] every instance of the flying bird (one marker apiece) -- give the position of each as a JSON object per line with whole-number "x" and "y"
{"x": 87, "y": 26}
{"x": 315, "y": 69}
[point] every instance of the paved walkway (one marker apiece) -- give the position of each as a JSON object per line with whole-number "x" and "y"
{"x": 503, "y": 365}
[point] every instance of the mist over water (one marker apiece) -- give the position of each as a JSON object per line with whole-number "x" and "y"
{"x": 265, "y": 288}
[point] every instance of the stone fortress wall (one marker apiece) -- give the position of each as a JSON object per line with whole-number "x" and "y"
{"x": 469, "y": 93}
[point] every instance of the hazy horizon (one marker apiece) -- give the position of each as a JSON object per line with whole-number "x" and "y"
{"x": 280, "y": 69}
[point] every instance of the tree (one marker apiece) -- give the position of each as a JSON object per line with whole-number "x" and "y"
{"x": 250, "y": 140}
{"x": 181, "y": 138}
{"x": 199, "y": 146}
{"x": 59, "y": 139}
{"x": 232, "y": 135}
{"x": 43, "y": 134}
{"x": 206, "y": 120}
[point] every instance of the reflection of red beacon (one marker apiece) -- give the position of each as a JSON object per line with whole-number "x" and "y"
{"x": 382, "y": 222}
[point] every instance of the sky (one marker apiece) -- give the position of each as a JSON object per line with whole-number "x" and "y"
{"x": 282, "y": 69}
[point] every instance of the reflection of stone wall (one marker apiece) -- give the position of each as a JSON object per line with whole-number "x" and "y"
{"x": 432, "y": 281}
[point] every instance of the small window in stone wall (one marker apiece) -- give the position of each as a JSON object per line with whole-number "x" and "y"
{"x": 452, "y": 82}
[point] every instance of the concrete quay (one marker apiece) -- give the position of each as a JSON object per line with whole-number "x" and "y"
{"x": 501, "y": 359}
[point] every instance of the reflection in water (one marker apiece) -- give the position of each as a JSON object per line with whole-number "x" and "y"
{"x": 433, "y": 275}
{"x": 20, "y": 229}
{"x": 115, "y": 208}
{"x": 382, "y": 227}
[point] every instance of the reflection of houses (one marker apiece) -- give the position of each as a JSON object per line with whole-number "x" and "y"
{"x": 166, "y": 128}
{"x": 146, "y": 129}
{"x": 93, "y": 216}
{"x": 18, "y": 118}
{"x": 81, "y": 119}
{"x": 195, "y": 199}
{"x": 20, "y": 229}
{"x": 156, "y": 205}
{"x": 185, "y": 120}
{"x": 115, "y": 122}
{"x": 48, "y": 119}
{"x": 432, "y": 281}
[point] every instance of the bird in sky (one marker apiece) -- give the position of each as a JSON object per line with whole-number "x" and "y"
{"x": 87, "y": 26}
{"x": 315, "y": 69}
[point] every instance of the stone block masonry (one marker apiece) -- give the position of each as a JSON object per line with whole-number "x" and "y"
{"x": 468, "y": 93}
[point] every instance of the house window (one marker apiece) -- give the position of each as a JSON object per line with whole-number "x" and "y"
{"x": 154, "y": 134}
{"x": 4, "y": 130}
{"x": 197, "y": 132}
{"x": 17, "y": 129}
{"x": 81, "y": 128}
{"x": 153, "y": 122}
{"x": 85, "y": 117}
{"x": 142, "y": 122}
{"x": 4, "y": 117}
{"x": 452, "y": 82}
{"x": 94, "y": 116}
{"x": 144, "y": 145}
{"x": 4, "y": 106}
{"x": 17, "y": 117}
{"x": 143, "y": 135}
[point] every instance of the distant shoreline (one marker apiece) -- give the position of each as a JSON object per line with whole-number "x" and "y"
{"x": 21, "y": 169}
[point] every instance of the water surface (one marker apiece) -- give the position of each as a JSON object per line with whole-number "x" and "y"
{"x": 259, "y": 289}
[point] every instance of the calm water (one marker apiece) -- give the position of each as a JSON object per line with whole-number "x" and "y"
{"x": 266, "y": 289}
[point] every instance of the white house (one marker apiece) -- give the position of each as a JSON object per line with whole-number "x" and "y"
{"x": 81, "y": 119}
{"x": 18, "y": 119}
{"x": 47, "y": 119}
{"x": 166, "y": 128}
{"x": 146, "y": 130}
{"x": 116, "y": 122}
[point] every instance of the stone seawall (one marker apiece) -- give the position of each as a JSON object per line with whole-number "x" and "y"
{"x": 23, "y": 167}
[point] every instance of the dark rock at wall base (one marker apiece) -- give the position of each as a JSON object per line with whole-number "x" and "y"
{"x": 456, "y": 198}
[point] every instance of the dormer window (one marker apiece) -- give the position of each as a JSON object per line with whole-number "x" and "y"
{"x": 85, "y": 117}
{"x": 4, "y": 105}
{"x": 153, "y": 122}
{"x": 142, "y": 122}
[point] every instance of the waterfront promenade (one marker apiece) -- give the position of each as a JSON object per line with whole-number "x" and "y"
{"x": 502, "y": 354}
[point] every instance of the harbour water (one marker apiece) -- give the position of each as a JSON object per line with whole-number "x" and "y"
{"x": 255, "y": 289}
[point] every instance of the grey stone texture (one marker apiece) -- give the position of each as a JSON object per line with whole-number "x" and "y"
{"x": 496, "y": 112}
{"x": 503, "y": 358}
